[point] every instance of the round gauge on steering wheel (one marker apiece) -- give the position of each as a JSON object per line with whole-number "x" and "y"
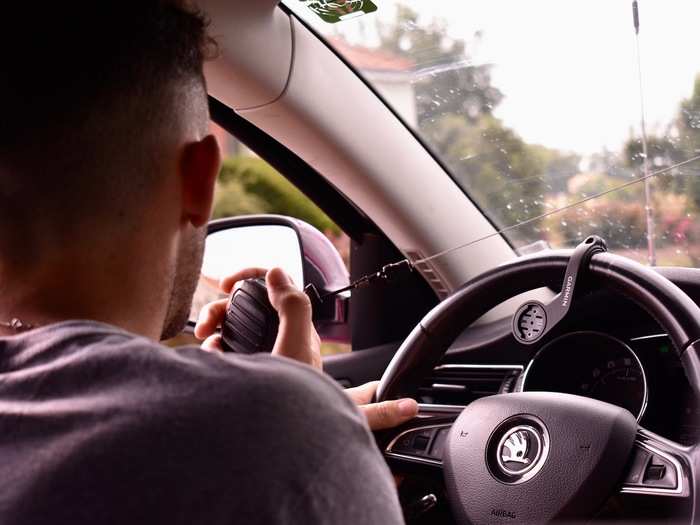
{"x": 590, "y": 364}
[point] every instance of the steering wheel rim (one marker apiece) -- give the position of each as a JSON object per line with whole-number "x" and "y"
{"x": 677, "y": 314}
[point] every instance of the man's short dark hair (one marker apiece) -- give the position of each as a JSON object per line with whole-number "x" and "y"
{"x": 87, "y": 86}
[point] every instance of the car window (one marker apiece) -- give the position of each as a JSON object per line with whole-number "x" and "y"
{"x": 535, "y": 105}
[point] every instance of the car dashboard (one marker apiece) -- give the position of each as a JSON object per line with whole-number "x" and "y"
{"x": 608, "y": 349}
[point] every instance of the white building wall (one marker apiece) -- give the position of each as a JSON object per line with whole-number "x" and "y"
{"x": 400, "y": 96}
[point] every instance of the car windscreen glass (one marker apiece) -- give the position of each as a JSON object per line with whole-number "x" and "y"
{"x": 535, "y": 106}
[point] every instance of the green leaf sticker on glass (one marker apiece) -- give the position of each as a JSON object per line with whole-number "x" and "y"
{"x": 334, "y": 11}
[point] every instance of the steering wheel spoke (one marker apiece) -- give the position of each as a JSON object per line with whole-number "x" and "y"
{"x": 423, "y": 445}
{"x": 421, "y": 442}
{"x": 658, "y": 467}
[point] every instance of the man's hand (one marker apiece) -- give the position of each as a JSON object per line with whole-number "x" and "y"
{"x": 297, "y": 337}
{"x": 387, "y": 414}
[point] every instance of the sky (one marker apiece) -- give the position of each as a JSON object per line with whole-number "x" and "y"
{"x": 568, "y": 69}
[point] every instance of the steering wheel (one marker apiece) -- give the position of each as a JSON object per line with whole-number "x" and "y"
{"x": 533, "y": 457}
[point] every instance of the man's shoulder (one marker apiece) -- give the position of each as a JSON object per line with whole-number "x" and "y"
{"x": 141, "y": 371}
{"x": 144, "y": 387}
{"x": 203, "y": 433}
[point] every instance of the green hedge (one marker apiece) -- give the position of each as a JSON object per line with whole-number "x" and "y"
{"x": 249, "y": 185}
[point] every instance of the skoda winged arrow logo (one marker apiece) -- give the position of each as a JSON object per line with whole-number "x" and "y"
{"x": 519, "y": 451}
{"x": 515, "y": 448}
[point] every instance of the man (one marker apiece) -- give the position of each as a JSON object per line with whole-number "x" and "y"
{"x": 107, "y": 174}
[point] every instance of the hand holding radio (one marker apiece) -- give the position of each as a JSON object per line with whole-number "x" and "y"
{"x": 270, "y": 315}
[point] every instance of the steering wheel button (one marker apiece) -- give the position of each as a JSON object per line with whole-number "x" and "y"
{"x": 660, "y": 473}
{"x": 420, "y": 443}
{"x": 639, "y": 462}
{"x": 404, "y": 444}
{"x": 655, "y": 473}
{"x": 414, "y": 442}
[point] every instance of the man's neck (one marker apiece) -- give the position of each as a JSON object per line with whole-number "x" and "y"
{"x": 80, "y": 288}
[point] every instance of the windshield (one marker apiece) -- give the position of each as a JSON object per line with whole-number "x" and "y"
{"x": 533, "y": 106}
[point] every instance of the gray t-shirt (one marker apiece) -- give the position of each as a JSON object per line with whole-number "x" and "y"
{"x": 100, "y": 426}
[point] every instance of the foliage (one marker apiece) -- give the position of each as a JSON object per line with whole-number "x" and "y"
{"x": 621, "y": 224}
{"x": 688, "y": 128}
{"x": 514, "y": 181}
{"x": 557, "y": 167}
{"x": 448, "y": 82}
{"x": 249, "y": 185}
{"x": 680, "y": 142}
{"x": 454, "y": 101}
{"x": 591, "y": 183}
{"x": 493, "y": 164}
{"x": 231, "y": 200}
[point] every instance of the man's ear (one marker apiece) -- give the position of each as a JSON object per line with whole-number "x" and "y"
{"x": 199, "y": 167}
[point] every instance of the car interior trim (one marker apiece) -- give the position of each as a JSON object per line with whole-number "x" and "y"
{"x": 429, "y": 407}
{"x": 642, "y": 441}
{"x": 651, "y": 336}
{"x": 417, "y": 459}
{"x": 479, "y": 367}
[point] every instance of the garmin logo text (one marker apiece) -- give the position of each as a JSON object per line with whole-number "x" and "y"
{"x": 567, "y": 290}
{"x": 502, "y": 513}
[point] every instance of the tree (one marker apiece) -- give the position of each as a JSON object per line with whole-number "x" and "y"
{"x": 557, "y": 167}
{"x": 680, "y": 142}
{"x": 249, "y": 185}
{"x": 688, "y": 128}
{"x": 455, "y": 102}
{"x": 446, "y": 81}
{"x": 496, "y": 168}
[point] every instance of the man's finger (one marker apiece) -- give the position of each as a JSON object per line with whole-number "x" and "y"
{"x": 226, "y": 283}
{"x": 212, "y": 344}
{"x": 293, "y": 307}
{"x": 361, "y": 395}
{"x": 389, "y": 414}
{"x": 210, "y": 316}
{"x": 296, "y": 338}
{"x": 286, "y": 298}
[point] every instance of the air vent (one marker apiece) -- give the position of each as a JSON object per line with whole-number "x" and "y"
{"x": 459, "y": 385}
{"x": 429, "y": 274}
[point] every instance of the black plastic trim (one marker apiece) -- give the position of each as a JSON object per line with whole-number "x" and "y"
{"x": 326, "y": 196}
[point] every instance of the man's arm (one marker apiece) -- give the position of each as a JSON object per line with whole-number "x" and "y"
{"x": 352, "y": 485}
{"x": 289, "y": 446}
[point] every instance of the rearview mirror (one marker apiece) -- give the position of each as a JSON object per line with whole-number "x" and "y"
{"x": 267, "y": 241}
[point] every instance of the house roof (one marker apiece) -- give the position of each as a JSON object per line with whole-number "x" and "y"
{"x": 376, "y": 60}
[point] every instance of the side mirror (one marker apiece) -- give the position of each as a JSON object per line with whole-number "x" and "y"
{"x": 267, "y": 241}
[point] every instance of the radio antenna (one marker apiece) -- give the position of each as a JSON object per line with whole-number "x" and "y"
{"x": 649, "y": 211}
